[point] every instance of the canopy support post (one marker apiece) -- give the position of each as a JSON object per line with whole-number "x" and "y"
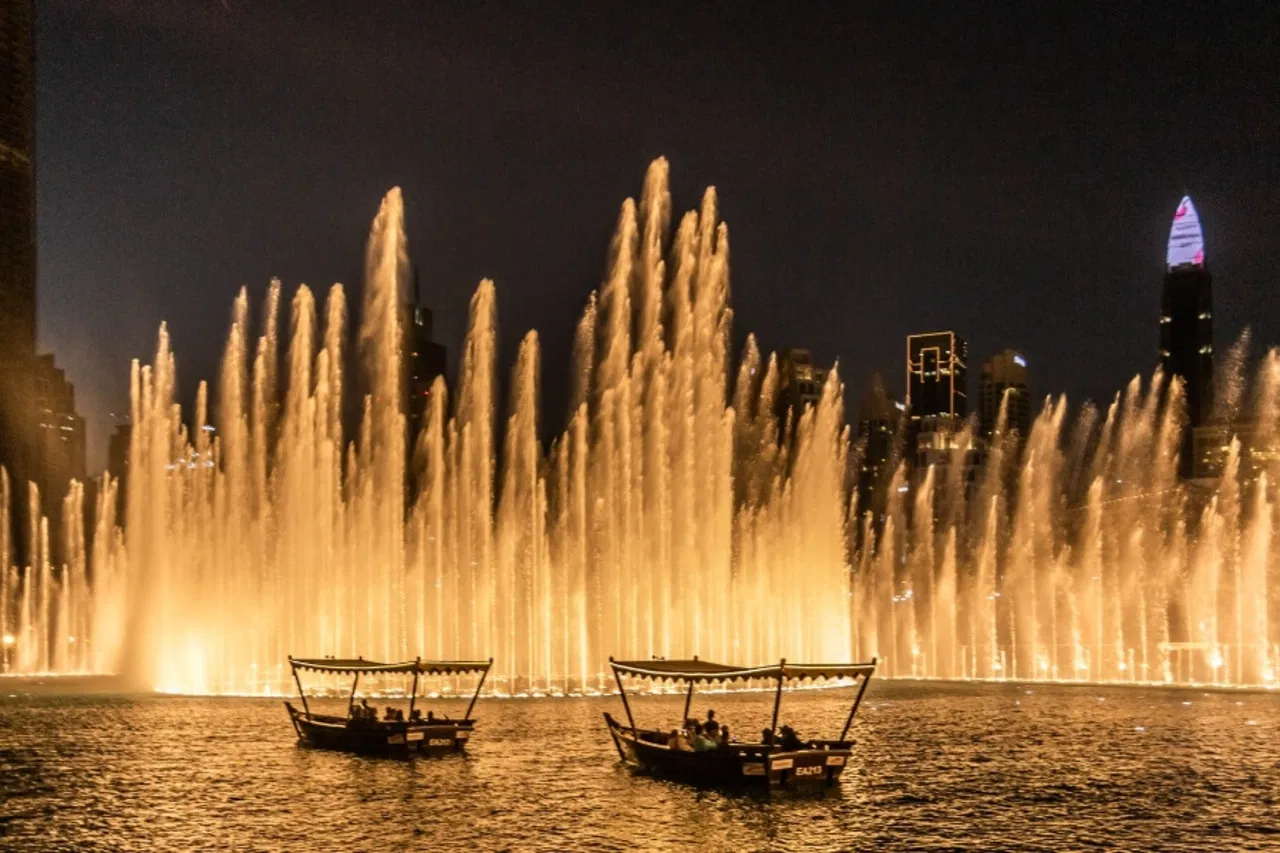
{"x": 866, "y": 679}
{"x": 483, "y": 676}
{"x": 351, "y": 703}
{"x": 413, "y": 693}
{"x": 301, "y": 692}
{"x": 777, "y": 700}
{"x": 688, "y": 700}
{"x": 623, "y": 693}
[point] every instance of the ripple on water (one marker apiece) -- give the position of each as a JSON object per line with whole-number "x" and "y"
{"x": 937, "y": 767}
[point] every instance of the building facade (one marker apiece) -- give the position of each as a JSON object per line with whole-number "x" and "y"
{"x": 17, "y": 235}
{"x": 424, "y": 359}
{"x": 1186, "y": 314}
{"x": 937, "y": 376}
{"x": 1004, "y": 381}
{"x": 880, "y": 420}
{"x": 800, "y": 382}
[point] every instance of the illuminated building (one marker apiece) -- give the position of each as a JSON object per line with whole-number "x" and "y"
{"x": 880, "y": 419}
{"x": 799, "y": 381}
{"x": 937, "y": 391}
{"x": 1004, "y": 378}
{"x": 17, "y": 234}
{"x": 60, "y": 434}
{"x": 937, "y": 376}
{"x": 1211, "y": 448}
{"x": 1186, "y": 314}
{"x": 424, "y": 359}
{"x": 118, "y": 463}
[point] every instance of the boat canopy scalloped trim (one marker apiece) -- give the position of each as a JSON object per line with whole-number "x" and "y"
{"x": 423, "y": 667}
{"x": 706, "y": 671}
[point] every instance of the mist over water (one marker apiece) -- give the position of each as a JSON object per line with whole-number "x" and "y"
{"x": 675, "y": 515}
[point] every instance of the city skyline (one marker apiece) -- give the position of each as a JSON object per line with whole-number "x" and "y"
{"x": 922, "y": 205}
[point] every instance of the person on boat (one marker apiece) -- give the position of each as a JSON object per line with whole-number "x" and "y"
{"x": 431, "y": 717}
{"x": 677, "y": 741}
{"x": 766, "y": 736}
{"x": 711, "y": 726}
{"x": 364, "y": 712}
{"x": 790, "y": 740}
{"x": 723, "y": 741}
{"x": 389, "y": 715}
{"x": 701, "y": 742}
{"x": 416, "y": 716}
{"x": 399, "y": 716}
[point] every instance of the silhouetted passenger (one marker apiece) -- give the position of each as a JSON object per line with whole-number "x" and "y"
{"x": 389, "y": 715}
{"x": 399, "y": 716}
{"x": 431, "y": 717}
{"x": 711, "y": 726}
{"x": 723, "y": 742}
{"x": 701, "y": 743}
{"x": 677, "y": 741}
{"x": 790, "y": 740}
{"x": 416, "y": 716}
{"x": 364, "y": 712}
{"x": 766, "y": 736}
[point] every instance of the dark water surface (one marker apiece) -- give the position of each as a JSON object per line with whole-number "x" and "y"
{"x": 937, "y": 767}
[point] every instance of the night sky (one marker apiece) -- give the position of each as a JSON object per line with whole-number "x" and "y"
{"x": 883, "y": 169}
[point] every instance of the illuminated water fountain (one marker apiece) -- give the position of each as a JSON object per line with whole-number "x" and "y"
{"x": 671, "y": 517}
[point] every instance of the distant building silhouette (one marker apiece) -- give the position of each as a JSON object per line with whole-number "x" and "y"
{"x": 1186, "y": 321}
{"x": 60, "y": 437}
{"x": 799, "y": 382}
{"x": 1004, "y": 379}
{"x": 118, "y": 465}
{"x": 937, "y": 391}
{"x": 880, "y": 421}
{"x": 17, "y": 241}
{"x": 424, "y": 360}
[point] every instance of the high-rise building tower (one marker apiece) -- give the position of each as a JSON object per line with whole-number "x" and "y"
{"x": 424, "y": 360}
{"x": 1004, "y": 379}
{"x": 880, "y": 431}
{"x": 17, "y": 233}
{"x": 937, "y": 376}
{"x": 1186, "y": 314}
{"x": 799, "y": 381}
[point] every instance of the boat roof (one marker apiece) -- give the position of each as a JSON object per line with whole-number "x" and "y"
{"x": 423, "y": 667}
{"x": 707, "y": 671}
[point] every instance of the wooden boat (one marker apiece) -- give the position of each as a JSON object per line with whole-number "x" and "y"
{"x": 430, "y": 735}
{"x": 771, "y": 764}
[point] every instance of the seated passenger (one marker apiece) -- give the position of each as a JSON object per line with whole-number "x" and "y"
{"x": 701, "y": 743}
{"x": 363, "y": 712}
{"x": 416, "y": 716}
{"x": 790, "y": 740}
{"x": 711, "y": 726}
{"x": 399, "y": 716}
{"x": 723, "y": 742}
{"x": 389, "y": 715}
{"x": 431, "y": 717}
{"x": 676, "y": 741}
{"x": 766, "y": 736}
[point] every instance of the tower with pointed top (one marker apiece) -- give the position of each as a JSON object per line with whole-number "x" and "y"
{"x": 1186, "y": 314}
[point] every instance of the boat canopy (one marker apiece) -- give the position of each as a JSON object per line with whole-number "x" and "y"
{"x": 421, "y": 667}
{"x": 704, "y": 671}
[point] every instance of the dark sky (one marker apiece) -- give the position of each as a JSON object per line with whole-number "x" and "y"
{"x": 883, "y": 167}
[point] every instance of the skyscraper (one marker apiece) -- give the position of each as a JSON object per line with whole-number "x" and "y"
{"x": 799, "y": 381}
{"x": 424, "y": 360}
{"x": 880, "y": 432}
{"x": 17, "y": 233}
{"x": 1004, "y": 379}
{"x": 1186, "y": 314}
{"x": 937, "y": 377}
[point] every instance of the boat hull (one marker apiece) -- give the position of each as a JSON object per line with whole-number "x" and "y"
{"x": 740, "y": 765}
{"x": 394, "y": 739}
